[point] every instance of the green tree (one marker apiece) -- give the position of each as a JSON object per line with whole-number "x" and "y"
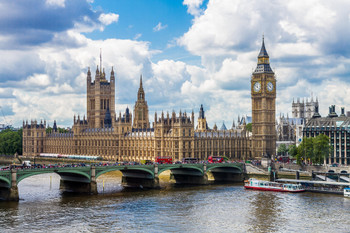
{"x": 11, "y": 142}
{"x": 321, "y": 148}
{"x": 248, "y": 127}
{"x": 62, "y": 130}
{"x": 305, "y": 150}
{"x": 59, "y": 130}
{"x": 48, "y": 130}
{"x": 293, "y": 150}
{"x": 282, "y": 149}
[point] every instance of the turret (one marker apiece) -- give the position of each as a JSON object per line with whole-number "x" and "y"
{"x": 88, "y": 77}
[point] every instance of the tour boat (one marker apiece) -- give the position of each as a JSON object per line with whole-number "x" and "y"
{"x": 347, "y": 192}
{"x": 272, "y": 186}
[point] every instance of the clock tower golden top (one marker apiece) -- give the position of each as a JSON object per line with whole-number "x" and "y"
{"x": 263, "y": 61}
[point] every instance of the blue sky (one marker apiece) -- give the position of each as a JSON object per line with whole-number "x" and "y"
{"x": 189, "y": 52}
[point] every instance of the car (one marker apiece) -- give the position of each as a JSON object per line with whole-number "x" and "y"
{"x": 334, "y": 165}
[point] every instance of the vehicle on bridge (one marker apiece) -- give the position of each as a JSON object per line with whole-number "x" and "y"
{"x": 216, "y": 159}
{"x": 83, "y": 157}
{"x": 164, "y": 160}
{"x": 26, "y": 164}
{"x": 146, "y": 162}
{"x": 190, "y": 160}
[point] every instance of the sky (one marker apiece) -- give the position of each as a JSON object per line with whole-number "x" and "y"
{"x": 188, "y": 52}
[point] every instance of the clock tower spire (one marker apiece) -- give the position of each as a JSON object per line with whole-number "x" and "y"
{"x": 263, "y": 94}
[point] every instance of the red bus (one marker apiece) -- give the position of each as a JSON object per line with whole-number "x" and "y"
{"x": 164, "y": 160}
{"x": 216, "y": 159}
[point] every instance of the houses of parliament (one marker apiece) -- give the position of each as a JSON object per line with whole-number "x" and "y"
{"x": 131, "y": 137}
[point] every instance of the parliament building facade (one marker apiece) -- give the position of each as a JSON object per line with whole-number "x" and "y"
{"x": 130, "y": 137}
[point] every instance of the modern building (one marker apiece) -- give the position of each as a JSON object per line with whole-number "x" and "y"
{"x": 337, "y": 128}
{"x": 123, "y": 138}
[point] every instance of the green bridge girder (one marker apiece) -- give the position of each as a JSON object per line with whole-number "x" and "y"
{"x": 5, "y": 176}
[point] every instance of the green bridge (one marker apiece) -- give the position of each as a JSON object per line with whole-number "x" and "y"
{"x": 83, "y": 179}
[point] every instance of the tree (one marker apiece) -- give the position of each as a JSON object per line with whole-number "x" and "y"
{"x": 305, "y": 150}
{"x": 293, "y": 150}
{"x": 313, "y": 150}
{"x": 10, "y": 142}
{"x": 248, "y": 127}
{"x": 282, "y": 149}
{"x": 321, "y": 148}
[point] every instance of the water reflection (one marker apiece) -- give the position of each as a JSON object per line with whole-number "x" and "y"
{"x": 265, "y": 211}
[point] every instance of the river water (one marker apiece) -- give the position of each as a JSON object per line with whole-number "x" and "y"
{"x": 213, "y": 208}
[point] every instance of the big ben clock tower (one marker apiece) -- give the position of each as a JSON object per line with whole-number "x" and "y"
{"x": 263, "y": 92}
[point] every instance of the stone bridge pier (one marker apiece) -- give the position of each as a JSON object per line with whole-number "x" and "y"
{"x": 71, "y": 182}
{"x": 10, "y": 193}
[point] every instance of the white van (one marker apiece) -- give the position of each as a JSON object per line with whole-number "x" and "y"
{"x": 26, "y": 163}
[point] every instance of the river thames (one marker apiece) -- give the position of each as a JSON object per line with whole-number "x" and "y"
{"x": 212, "y": 208}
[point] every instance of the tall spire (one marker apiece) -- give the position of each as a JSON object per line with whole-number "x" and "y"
{"x": 141, "y": 81}
{"x": 263, "y": 52}
{"x": 100, "y": 60}
{"x": 263, "y": 61}
{"x": 141, "y": 92}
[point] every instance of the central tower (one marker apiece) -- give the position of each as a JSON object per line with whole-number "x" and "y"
{"x": 141, "y": 110}
{"x": 263, "y": 93}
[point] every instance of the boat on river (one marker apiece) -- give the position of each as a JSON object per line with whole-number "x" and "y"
{"x": 272, "y": 186}
{"x": 347, "y": 192}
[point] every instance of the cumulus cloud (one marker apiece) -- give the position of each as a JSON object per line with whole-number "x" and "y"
{"x": 107, "y": 19}
{"x": 32, "y": 22}
{"x": 193, "y": 6}
{"x": 159, "y": 27}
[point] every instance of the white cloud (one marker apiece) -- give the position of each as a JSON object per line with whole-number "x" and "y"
{"x": 193, "y": 6}
{"x": 159, "y": 27}
{"x": 107, "y": 19}
{"x": 40, "y": 80}
{"x": 137, "y": 36}
{"x": 59, "y": 3}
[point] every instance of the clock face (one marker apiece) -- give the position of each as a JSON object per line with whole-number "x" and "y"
{"x": 269, "y": 86}
{"x": 257, "y": 86}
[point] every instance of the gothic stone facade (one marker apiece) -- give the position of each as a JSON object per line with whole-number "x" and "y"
{"x": 121, "y": 139}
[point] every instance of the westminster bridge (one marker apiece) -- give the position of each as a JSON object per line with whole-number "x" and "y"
{"x": 83, "y": 179}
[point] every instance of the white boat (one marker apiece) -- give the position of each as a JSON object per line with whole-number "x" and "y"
{"x": 272, "y": 186}
{"x": 347, "y": 192}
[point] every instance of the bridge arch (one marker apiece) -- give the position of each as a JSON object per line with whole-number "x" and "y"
{"x": 223, "y": 165}
{"x": 5, "y": 181}
{"x": 29, "y": 174}
{"x": 123, "y": 169}
{"x": 177, "y": 167}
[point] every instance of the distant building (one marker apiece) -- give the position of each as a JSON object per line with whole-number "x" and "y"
{"x": 304, "y": 110}
{"x": 337, "y": 128}
{"x": 5, "y": 126}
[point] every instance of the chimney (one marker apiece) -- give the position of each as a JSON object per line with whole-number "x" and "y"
{"x": 342, "y": 112}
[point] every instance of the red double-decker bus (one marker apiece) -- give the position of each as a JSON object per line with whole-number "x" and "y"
{"x": 164, "y": 160}
{"x": 216, "y": 159}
